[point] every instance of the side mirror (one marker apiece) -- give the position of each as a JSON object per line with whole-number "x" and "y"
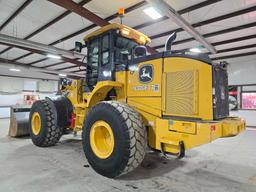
{"x": 78, "y": 47}
{"x": 169, "y": 42}
{"x": 140, "y": 51}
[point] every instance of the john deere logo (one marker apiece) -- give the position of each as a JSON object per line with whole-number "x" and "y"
{"x": 146, "y": 73}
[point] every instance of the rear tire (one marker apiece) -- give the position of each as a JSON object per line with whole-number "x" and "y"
{"x": 129, "y": 138}
{"x": 49, "y": 133}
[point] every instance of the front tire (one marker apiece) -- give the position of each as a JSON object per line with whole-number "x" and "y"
{"x": 114, "y": 138}
{"x": 43, "y": 127}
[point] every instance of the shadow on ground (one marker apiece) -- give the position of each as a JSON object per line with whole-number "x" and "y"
{"x": 7, "y": 139}
{"x": 153, "y": 165}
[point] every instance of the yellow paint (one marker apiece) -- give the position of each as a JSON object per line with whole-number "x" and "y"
{"x": 232, "y": 126}
{"x": 204, "y": 100}
{"x": 88, "y": 100}
{"x": 183, "y": 127}
{"x": 121, "y": 77}
{"x": 73, "y": 91}
{"x": 149, "y": 120}
{"x": 36, "y": 123}
{"x": 152, "y": 101}
{"x": 102, "y": 139}
{"x": 150, "y": 105}
{"x": 125, "y": 31}
{"x": 80, "y": 111}
{"x": 100, "y": 92}
{"x": 137, "y": 88}
{"x": 204, "y": 132}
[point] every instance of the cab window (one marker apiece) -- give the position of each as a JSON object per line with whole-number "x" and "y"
{"x": 105, "y": 49}
{"x": 93, "y": 55}
{"x": 123, "y": 49}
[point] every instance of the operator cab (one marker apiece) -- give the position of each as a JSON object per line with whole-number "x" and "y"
{"x": 109, "y": 49}
{"x": 113, "y": 47}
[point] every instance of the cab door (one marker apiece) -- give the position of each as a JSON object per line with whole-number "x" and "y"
{"x": 99, "y": 61}
{"x": 106, "y": 62}
{"x": 93, "y": 62}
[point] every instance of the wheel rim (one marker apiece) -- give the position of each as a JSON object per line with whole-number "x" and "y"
{"x": 102, "y": 139}
{"x": 36, "y": 123}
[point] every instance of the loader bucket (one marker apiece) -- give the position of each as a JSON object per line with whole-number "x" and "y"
{"x": 19, "y": 122}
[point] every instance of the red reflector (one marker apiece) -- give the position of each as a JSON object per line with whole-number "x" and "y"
{"x": 72, "y": 120}
{"x": 213, "y": 127}
{"x": 233, "y": 93}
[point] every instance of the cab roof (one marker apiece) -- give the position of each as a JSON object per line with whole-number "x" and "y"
{"x": 125, "y": 31}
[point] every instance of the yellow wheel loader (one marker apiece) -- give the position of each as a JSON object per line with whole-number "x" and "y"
{"x": 130, "y": 100}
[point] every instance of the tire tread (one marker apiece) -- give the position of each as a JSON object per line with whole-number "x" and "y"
{"x": 53, "y": 132}
{"x": 137, "y": 135}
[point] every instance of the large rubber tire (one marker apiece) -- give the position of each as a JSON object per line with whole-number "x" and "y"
{"x": 130, "y": 138}
{"x": 49, "y": 133}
